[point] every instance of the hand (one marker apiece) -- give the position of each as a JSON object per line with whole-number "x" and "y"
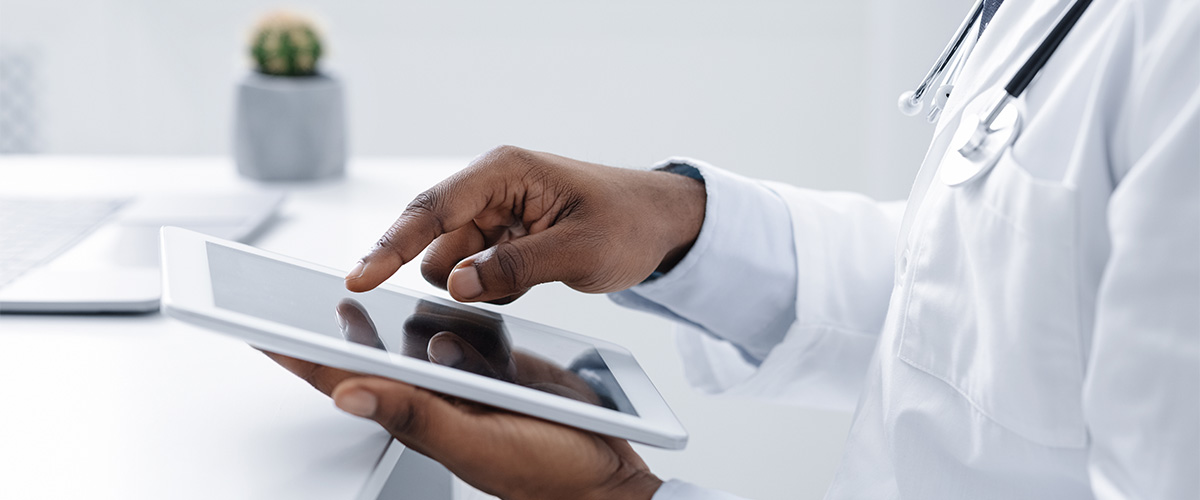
{"x": 516, "y": 218}
{"x": 501, "y": 453}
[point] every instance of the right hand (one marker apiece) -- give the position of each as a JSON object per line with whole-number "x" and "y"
{"x": 516, "y": 218}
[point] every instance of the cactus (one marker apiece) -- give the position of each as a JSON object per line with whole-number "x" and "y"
{"x": 286, "y": 44}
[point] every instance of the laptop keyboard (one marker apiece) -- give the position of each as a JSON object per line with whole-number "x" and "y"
{"x": 34, "y": 231}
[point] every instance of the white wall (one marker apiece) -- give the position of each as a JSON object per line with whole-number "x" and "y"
{"x": 906, "y": 38}
{"x": 765, "y": 88}
{"x": 799, "y": 91}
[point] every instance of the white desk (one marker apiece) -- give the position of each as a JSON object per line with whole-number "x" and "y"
{"x": 144, "y": 407}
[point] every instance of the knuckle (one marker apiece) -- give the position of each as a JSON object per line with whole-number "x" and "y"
{"x": 506, "y": 153}
{"x": 506, "y": 157}
{"x": 492, "y": 157}
{"x": 389, "y": 239}
{"x": 315, "y": 376}
{"x": 425, "y": 202}
{"x": 434, "y": 272}
{"x": 309, "y": 376}
{"x": 513, "y": 265}
{"x": 422, "y": 210}
{"x": 407, "y": 421}
{"x": 426, "y": 206}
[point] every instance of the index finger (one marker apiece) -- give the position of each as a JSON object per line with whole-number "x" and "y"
{"x": 445, "y": 207}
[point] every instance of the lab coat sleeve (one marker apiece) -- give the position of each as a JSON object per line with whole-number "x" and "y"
{"x": 738, "y": 281}
{"x": 784, "y": 292}
{"x": 1142, "y": 388}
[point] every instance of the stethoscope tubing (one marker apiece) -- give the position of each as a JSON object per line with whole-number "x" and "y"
{"x": 1049, "y": 45}
{"x": 910, "y": 102}
{"x": 947, "y": 53}
{"x": 1020, "y": 81}
{"x": 984, "y": 139}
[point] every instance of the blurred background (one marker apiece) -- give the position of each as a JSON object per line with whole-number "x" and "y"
{"x": 797, "y": 91}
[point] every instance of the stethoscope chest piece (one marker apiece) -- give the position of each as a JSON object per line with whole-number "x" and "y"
{"x": 976, "y": 146}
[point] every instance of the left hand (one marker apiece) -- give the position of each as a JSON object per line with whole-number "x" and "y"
{"x": 501, "y": 453}
{"x": 498, "y": 452}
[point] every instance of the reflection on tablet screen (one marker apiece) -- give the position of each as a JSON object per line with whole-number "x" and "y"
{"x": 468, "y": 339}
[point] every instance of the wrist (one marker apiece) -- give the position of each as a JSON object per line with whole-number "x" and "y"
{"x": 684, "y": 214}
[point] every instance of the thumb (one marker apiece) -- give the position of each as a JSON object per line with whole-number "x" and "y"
{"x": 512, "y": 267}
{"x": 418, "y": 418}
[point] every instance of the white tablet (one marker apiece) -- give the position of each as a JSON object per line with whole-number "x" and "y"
{"x": 304, "y": 310}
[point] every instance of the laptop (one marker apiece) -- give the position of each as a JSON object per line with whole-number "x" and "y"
{"x": 89, "y": 256}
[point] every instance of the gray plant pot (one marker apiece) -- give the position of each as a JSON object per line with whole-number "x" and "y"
{"x": 290, "y": 128}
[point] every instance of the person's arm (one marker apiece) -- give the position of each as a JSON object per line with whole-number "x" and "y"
{"x": 737, "y": 283}
{"x": 1142, "y": 388}
{"x": 784, "y": 291}
{"x": 515, "y": 218}
{"x": 512, "y": 219}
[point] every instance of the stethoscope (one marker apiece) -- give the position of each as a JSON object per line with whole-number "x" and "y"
{"x": 992, "y": 120}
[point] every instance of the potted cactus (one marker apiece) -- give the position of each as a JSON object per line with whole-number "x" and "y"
{"x": 290, "y": 118}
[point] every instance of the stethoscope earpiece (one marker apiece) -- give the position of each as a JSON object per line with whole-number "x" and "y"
{"x": 942, "y": 96}
{"x": 992, "y": 121}
{"x": 910, "y": 102}
{"x": 909, "y": 105}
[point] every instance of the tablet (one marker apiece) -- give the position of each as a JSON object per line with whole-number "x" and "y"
{"x": 303, "y": 310}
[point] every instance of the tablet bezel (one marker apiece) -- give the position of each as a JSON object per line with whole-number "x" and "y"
{"x": 187, "y": 295}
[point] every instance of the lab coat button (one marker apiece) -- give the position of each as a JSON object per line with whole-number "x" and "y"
{"x": 902, "y": 266}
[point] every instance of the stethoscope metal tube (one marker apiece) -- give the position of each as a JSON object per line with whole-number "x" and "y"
{"x": 942, "y": 95}
{"x": 977, "y": 145}
{"x": 910, "y": 102}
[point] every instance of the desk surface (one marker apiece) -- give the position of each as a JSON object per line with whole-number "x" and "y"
{"x": 146, "y": 407}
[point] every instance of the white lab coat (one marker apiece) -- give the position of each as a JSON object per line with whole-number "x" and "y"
{"x": 1035, "y": 334}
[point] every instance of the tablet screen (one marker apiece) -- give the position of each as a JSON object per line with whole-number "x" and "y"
{"x": 466, "y": 338}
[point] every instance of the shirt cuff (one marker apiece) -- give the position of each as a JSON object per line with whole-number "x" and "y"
{"x": 738, "y": 281}
{"x": 675, "y": 489}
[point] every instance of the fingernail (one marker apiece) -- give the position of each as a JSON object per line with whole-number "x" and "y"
{"x": 445, "y": 352}
{"x": 360, "y": 403}
{"x": 464, "y": 282}
{"x": 357, "y": 272}
{"x": 340, "y": 320}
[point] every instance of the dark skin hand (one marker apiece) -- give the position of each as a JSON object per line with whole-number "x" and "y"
{"x": 511, "y": 220}
{"x": 516, "y": 218}
{"x": 504, "y": 454}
